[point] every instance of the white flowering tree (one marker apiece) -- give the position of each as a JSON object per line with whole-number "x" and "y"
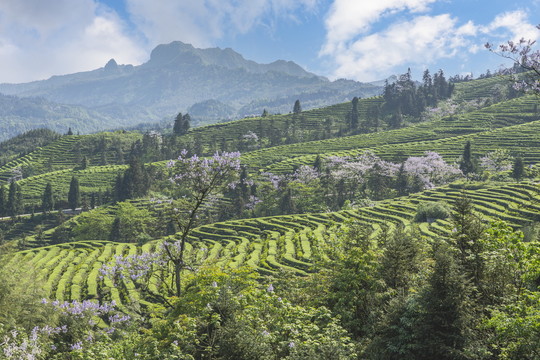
{"x": 198, "y": 180}
{"x": 522, "y": 53}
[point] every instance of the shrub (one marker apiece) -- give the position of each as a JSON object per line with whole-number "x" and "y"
{"x": 431, "y": 211}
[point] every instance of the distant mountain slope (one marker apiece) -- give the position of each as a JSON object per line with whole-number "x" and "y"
{"x": 18, "y": 115}
{"x": 178, "y": 76}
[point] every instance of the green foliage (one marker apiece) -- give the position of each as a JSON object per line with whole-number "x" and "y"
{"x": 74, "y": 194}
{"x": 432, "y": 211}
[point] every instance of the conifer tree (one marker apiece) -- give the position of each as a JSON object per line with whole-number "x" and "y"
{"x": 47, "y": 202}
{"x": 518, "y": 168}
{"x": 84, "y": 162}
{"x": 14, "y": 203}
{"x": 466, "y": 165}
{"x": 186, "y": 123}
{"x": 74, "y": 196}
{"x": 2, "y": 200}
{"x": 178, "y": 124}
{"x": 354, "y": 114}
{"x": 297, "y": 109}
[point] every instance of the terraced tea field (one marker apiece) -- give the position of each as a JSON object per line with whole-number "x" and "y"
{"x": 68, "y": 151}
{"x": 501, "y": 115}
{"x": 295, "y": 243}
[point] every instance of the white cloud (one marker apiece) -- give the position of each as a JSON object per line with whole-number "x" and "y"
{"x": 202, "y": 22}
{"x": 360, "y": 45}
{"x": 349, "y": 18}
{"x": 42, "y": 38}
{"x": 420, "y": 41}
{"x": 512, "y": 25}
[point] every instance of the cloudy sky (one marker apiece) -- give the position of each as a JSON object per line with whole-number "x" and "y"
{"x": 364, "y": 40}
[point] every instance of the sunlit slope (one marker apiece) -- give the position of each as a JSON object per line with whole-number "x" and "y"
{"x": 293, "y": 242}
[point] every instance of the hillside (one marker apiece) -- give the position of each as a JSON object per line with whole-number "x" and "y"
{"x": 320, "y": 241}
{"x": 21, "y": 114}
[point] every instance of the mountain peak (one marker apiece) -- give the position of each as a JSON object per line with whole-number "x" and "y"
{"x": 179, "y": 53}
{"x": 111, "y": 65}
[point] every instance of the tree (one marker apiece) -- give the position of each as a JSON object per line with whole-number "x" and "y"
{"x": 264, "y": 113}
{"x": 84, "y": 162}
{"x": 47, "y": 202}
{"x": 518, "y": 168}
{"x": 70, "y": 132}
{"x": 14, "y": 202}
{"x": 178, "y": 122}
{"x": 135, "y": 182}
{"x": 523, "y": 56}
{"x": 186, "y": 123}
{"x": 182, "y": 123}
{"x": 3, "y": 207}
{"x": 74, "y": 196}
{"x": 198, "y": 179}
{"x": 466, "y": 165}
{"x": 297, "y": 109}
{"x": 445, "y": 311}
{"x": 354, "y": 114}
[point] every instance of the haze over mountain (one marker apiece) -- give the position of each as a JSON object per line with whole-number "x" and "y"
{"x": 178, "y": 77}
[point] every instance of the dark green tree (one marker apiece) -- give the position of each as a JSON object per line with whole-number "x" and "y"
{"x": 14, "y": 202}
{"x": 446, "y": 311}
{"x": 466, "y": 165}
{"x": 3, "y": 204}
{"x": 264, "y": 113}
{"x": 297, "y": 108}
{"x": 186, "y": 123}
{"x": 467, "y": 238}
{"x": 317, "y": 164}
{"x": 518, "y": 168}
{"x": 70, "y": 132}
{"x": 178, "y": 124}
{"x": 135, "y": 181}
{"x": 47, "y": 202}
{"x": 84, "y": 162}
{"x": 354, "y": 114}
{"x": 402, "y": 181}
{"x": 116, "y": 230}
{"x": 74, "y": 195}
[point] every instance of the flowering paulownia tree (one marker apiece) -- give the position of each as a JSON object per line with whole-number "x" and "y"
{"x": 198, "y": 181}
{"x": 522, "y": 54}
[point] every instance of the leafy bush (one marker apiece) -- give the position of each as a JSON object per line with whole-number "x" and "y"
{"x": 431, "y": 211}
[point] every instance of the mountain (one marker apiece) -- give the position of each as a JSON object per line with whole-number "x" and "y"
{"x": 18, "y": 115}
{"x": 178, "y": 76}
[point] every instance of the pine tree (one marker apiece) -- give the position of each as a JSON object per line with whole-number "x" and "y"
{"x": 178, "y": 124}
{"x": 518, "y": 168}
{"x": 135, "y": 180}
{"x": 402, "y": 181}
{"x": 264, "y": 113}
{"x": 3, "y": 207}
{"x": 47, "y": 202}
{"x": 84, "y": 162}
{"x": 446, "y": 311}
{"x": 116, "y": 230}
{"x": 354, "y": 114}
{"x": 14, "y": 203}
{"x": 186, "y": 123}
{"x": 74, "y": 196}
{"x": 297, "y": 109}
{"x": 317, "y": 164}
{"x": 70, "y": 132}
{"x": 466, "y": 165}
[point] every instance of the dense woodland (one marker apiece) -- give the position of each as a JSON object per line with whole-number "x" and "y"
{"x": 402, "y": 226}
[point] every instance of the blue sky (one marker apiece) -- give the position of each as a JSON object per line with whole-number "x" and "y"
{"x": 364, "y": 40}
